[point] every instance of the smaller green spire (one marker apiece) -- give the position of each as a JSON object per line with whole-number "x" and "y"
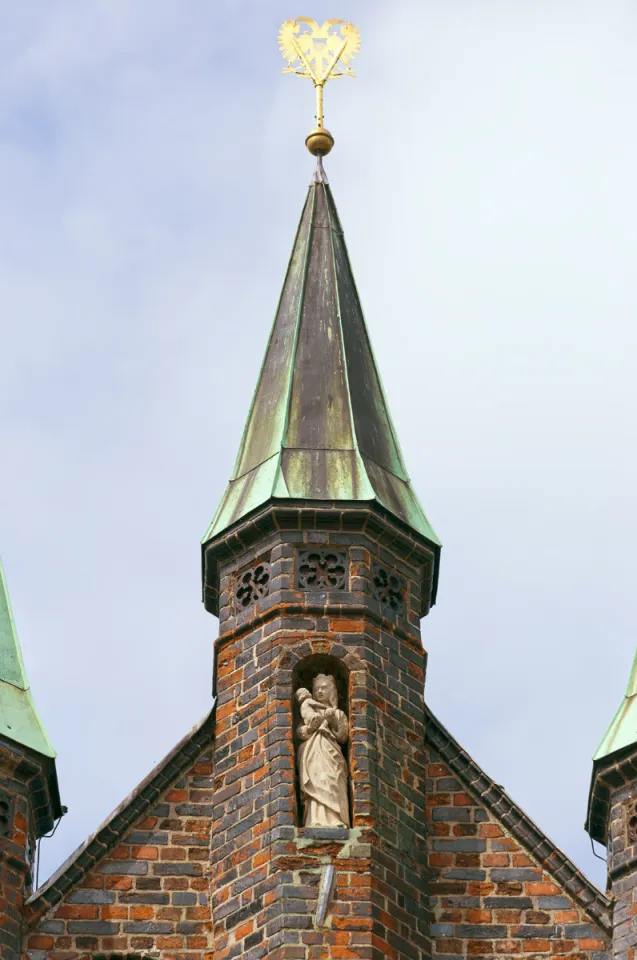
{"x": 623, "y": 728}
{"x": 19, "y": 720}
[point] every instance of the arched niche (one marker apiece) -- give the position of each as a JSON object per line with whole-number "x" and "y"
{"x": 303, "y": 676}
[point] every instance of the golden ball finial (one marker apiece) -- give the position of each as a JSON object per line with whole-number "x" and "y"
{"x": 319, "y": 142}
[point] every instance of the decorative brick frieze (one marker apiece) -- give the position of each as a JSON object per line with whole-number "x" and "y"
{"x": 322, "y": 569}
{"x": 251, "y": 585}
{"x": 630, "y": 820}
{"x": 284, "y": 549}
{"x": 318, "y": 527}
{"x": 389, "y": 589}
{"x": 6, "y": 814}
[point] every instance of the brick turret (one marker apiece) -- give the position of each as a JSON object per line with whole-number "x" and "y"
{"x": 320, "y": 560}
{"x": 612, "y": 816}
{"x": 29, "y": 798}
{"x": 355, "y": 615}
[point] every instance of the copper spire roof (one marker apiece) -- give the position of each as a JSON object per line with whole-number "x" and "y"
{"x": 19, "y": 720}
{"x": 622, "y": 731}
{"x": 319, "y": 427}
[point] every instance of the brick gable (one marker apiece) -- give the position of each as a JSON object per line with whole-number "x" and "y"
{"x": 143, "y": 884}
{"x": 500, "y": 888}
{"x": 140, "y": 884}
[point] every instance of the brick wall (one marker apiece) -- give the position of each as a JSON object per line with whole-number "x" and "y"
{"x": 489, "y": 896}
{"x": 622, "y": 861}
{"x": 216, "y": 863}
{"x": 150, "y": 894}
{"x": 16, "y": 839}
{"x": 267, "y": 869}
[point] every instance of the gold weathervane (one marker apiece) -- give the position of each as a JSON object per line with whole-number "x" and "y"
{"x": 320, "y": 53}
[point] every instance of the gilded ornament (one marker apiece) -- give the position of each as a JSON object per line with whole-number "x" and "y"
{"x": 320, "y": 53}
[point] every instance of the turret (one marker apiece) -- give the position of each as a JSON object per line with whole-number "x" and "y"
{"x": 612, "y": 816}
{"x": 29, "y": 796}
{"x": 320, "y": 562}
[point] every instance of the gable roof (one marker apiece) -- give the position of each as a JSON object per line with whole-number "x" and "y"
{"x": 99, "y": 844}
{"x": 519, "y": 825}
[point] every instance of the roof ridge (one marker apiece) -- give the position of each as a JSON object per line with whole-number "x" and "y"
{"x": 595, "y": 903}
{"x": 99, "y": 844}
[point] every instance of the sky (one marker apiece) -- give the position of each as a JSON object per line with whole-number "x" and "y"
{"x": 152, "y": 172}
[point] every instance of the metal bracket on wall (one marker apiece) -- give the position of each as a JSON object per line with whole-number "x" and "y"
{"x": 325, "y": 895}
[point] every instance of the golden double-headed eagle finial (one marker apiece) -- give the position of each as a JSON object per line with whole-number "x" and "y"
{"x": 320, "y": 53}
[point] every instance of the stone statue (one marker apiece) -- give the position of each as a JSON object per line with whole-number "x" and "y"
{"x": 322, "y": 766}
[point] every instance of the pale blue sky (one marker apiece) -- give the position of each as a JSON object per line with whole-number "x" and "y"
{"x": 152, "y": 171}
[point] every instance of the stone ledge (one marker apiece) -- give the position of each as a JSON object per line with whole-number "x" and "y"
{"x": 336, "y": 843}
{"x": 323, "y": 833}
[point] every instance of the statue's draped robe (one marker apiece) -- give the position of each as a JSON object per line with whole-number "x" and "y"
{"x": 323, "y": 776}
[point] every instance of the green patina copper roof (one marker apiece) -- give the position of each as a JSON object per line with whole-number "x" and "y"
{"x": 19, "y": 720}
{"x": 319, "y": 427}
{"x": 623, "y": 729}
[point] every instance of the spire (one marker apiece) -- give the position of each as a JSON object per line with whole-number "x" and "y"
{"x": 319, "y": 427}
{"x": 614, "y": 763}
{"x": 19, "y": 720}
{"x": 622, "y": 731}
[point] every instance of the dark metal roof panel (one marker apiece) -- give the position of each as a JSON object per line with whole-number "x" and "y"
{"x": 375, "y": 433}
{"x": 266, "y": 423}
{"x": 19, "y": 718}
{"x": 320, "y": 413}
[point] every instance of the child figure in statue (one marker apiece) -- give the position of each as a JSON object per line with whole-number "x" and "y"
{"x": 322, "y": 766}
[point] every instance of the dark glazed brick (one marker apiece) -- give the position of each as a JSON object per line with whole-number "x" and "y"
{"x": 91, "y": 896}
{"x": 553, "y": 903}
{"x": 147, "y": 926}
{"x": 511, "y": 874}
{"x": 95, "y": 927}
{"x": 127, "y": 868}
{"x": 474, "y": 931}
{"x": 508, "y": 903}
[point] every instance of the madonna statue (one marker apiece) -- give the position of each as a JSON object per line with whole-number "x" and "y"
{"x": 322, "y": 766}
